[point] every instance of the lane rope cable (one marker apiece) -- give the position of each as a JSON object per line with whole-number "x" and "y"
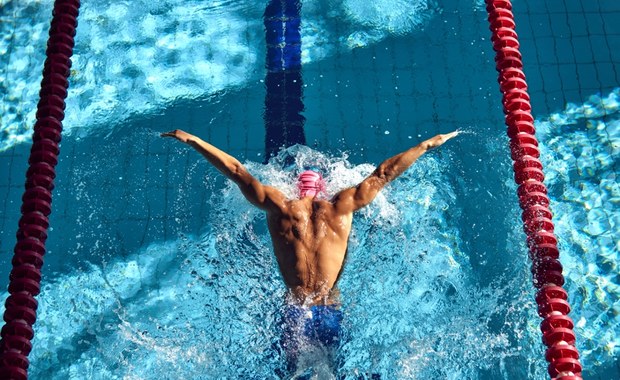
{"x": 25, "y": 278}
{"x": 553, "y": 307}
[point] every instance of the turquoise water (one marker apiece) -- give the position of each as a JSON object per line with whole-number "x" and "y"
{"x": 158, "y": 269}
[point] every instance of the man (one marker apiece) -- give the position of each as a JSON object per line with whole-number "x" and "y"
{"x": 309, "y": 235}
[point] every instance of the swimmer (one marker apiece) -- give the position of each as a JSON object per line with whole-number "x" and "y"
{"x": 310, "y": 234}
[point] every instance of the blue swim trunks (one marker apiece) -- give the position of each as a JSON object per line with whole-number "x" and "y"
{"x": 314, "y": 324}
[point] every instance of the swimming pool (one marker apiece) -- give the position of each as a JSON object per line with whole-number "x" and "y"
{"x": 158, "y": 269}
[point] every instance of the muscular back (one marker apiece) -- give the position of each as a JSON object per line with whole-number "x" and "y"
{"x": 310, "y": 244}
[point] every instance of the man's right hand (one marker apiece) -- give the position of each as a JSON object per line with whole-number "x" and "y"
{"x": 178, "y": 134}
{"x": 440, "y": 139}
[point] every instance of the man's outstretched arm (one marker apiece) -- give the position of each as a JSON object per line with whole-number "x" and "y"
{"x": 261, "y": 196}
{"x": 354, "y": 198}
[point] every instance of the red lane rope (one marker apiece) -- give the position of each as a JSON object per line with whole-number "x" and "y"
{"x": 556, "y": 327}
{"x": 25, "y": 278}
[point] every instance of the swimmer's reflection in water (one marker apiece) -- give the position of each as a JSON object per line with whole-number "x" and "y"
{"x": 310, "y": 236}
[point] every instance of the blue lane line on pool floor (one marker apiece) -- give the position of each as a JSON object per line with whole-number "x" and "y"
{"x": 284, "y": 122}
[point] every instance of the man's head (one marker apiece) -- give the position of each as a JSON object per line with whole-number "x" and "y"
{"x": 310, "y": 184}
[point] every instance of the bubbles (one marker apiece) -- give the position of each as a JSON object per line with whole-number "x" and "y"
{"x": 393, "y": 16}
{"x": 469, "y": 130}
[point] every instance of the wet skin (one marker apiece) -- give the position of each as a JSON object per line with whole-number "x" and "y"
{"x": 310, "y": 243}
{"x": 309, "y": 235}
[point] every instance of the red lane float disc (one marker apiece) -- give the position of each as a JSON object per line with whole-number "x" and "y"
{"x": 52, "y": 100}
{"x": 505, "y": 41}
{"x": 49, "y": 122}
{"x": 515, "y": 93}
{"x": 564, "y": 365}
{"x": 13, "y": 373}
{"x": 35, "y": 218}
{"x": 57, "y": 59}
{"x": 517, "y": 116}
{"x": 507, "y": 52}
{"x": 61, "y": 38}
{"x": 42, "y": 168}
{"x": 502, "y": 33}
{"x": 550, "y": 292}
{"x": 497, "y": 4}
{"x": 24, "y": 285}
{"x": 40, "y": 180}
{"x": 64, "y": 19}
{"x": 53, "y": 111}
{"x": 67, "y": 9}
{"x": 520, "y": 126}
{"x": 30, "y": 244}
{"x": 534, "y": 198}
{"x": 535, "y": 210}
{"x": 37, "y": 193}
{"x": 542, "y": 250}
{"x": 521, "y": 139}
{"x": 18, "y": 327}
{"x": 499, "y": 12}
{"x": 47, "y": 133}
{"x": 57, "y": 66}
{"x": 16, "y": 342}
{"x": 556, "y": 321}
{"x": 512, "y": 83}
{"x": 22, "y": 299}
{"x": 43, "y": 156}
{"x": 20, "y": 312}
{"x": 530, "y": 187}
{"x": 542, "y": 237}
{"x": 503, "y": 22}
{"x": 526, "y": 161}
{"x": 554, "y": 304}
{"x": 519, "y": 150}
{"x": 510, "y": 72}
{"x": 529, "y": 174}
{"x": 32, "y": 230}
{"x": 538, "y": 224}
{"x": 544, "y": 264}
{"x": 39, "y": 205}
{"x": 525, "y": 149}
{"x": 66, "y": 28}
{"x": 47, "y": 145}
{"x": 27, "y": 257}
{"x": 508, "y": 62}
{"x": 53, "y": 89}
{"x": 60, "y": 48}
{"x": 559, "y": 334}
{"x": 547, "y": 278}
{"x": 14, "y": 359}
{"x": 55, "y": 78}
{"x": 26, "y": 271}
{"x": 517, "y": 105}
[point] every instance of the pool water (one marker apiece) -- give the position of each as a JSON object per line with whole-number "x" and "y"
{"x": 157, "y": 268}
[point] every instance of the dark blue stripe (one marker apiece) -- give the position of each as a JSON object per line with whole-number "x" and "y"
{"x": 284, "y": 122}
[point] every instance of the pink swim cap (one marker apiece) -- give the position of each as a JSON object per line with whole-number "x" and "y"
{"x": 310, "y": 183}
